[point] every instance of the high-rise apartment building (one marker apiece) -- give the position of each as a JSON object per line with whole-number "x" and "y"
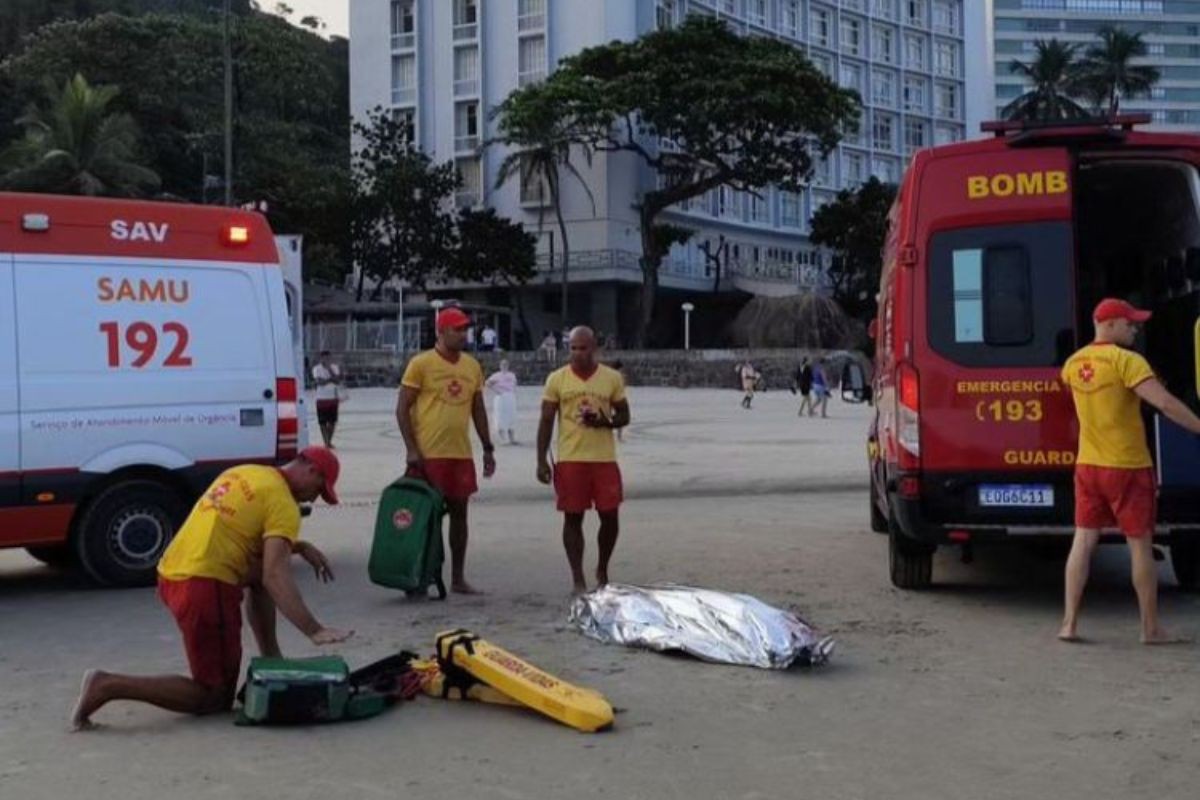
{"x": 1170, "y": 28}
{"x": 445, "y": 64}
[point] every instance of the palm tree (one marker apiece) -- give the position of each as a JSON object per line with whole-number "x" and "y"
{"x": 540, "y": 153}
{"x": 1052, "y": 73}
{"x": 75, "y": 145}
{"x": 1106, "y": 74}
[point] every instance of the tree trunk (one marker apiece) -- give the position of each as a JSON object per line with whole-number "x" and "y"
{"x": 566, "y": 250}
{"x": 520, "y": 303}
{"x": 650, "y": 261}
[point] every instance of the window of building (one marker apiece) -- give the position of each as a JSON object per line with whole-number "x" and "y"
{"x": 883, "y": 44}
{"x": 852, "y": 5}
{"x": 945, "y": 16}
{"x": 531, "y": 14}
{"x": 466, "y": 19}
{"x": 914, "y": 95}
{"x": 853, "y": 132}
{"x": 822, "y": 174}
{"x": 789, "y": 210}
{"x": 533, "y": 188}
{"x": 945, "y": 103}
{"x": 531, "y": 60}
{"x": 945, "y": 55}
{"x": 466, "y": 127}
{"x": 760, "y": 206}
{"x": 466, "y": 71}
{"x": 470, "y": 193}
{"x": 854, "y": 167}
{"x": 789, "y": 23}
{"x": 883, "y": 131}
{"x": 945, "y": 134}
{"x": 884, "y": 8}
{"x": 404, "y": 24}
{"x": 914, "y": 12}
{"x": 885, "y": 169}
{"x": 407, "y": 117}
{"x": 916, "y": 134}
{"x": 820, "y": 24}
{"x": 823, "y": 63}
{"x": 852, "y": 76}
{"x": 666, "y": 14}
{"x": 914, "y": 51}
{"x": 756, "y": 10}
{"x": 883, "y": 87}
{"x": 851, "y": 36}
{"x": 404, "y": 80}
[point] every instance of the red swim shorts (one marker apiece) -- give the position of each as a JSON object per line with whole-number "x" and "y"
{"x": 1109, "y": 497}
{"x": 580, "y": 485}
{"x": 453, "y": 477}
{"x": 209, "y": 615}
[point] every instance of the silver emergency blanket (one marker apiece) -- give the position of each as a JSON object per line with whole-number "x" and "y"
{"x": 714, "y": 626}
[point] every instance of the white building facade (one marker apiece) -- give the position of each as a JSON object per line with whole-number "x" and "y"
{"x": 445, "y": 64}
{"x": 1170, "y": 28}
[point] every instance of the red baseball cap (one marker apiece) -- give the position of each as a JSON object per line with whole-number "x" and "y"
{"x": 1112, "y": 308}
{"x": 452, "y": 318}
{"x": 328, "y": 465}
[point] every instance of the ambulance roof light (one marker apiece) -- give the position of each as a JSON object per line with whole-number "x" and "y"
{"x": 236, "y": 235}
{"x": 1125, "y": 122}
{"x": 35, "y": 222}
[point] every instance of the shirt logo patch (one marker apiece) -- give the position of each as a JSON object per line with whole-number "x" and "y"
{"x": 402, "y": 520}
{"x": 454, "y": 388}
{"x": 1087, "y": 372}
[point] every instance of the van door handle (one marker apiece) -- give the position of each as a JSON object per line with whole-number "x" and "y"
{"x": 268, "y": 394}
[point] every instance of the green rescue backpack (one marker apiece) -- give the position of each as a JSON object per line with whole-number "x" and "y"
{"x": 407, "y": 552}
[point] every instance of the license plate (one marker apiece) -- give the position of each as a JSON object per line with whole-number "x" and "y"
{"x": 1017, "y": 496}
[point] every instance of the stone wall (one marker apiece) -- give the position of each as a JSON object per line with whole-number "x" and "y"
{"x": 675, "y": 368}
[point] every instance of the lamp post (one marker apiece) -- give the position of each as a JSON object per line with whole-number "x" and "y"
{"x": 687, "y": 325}
{"x": 228, "y": 59}
{"x": 437, "y": 309}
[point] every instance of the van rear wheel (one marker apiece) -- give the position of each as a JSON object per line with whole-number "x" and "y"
{"x": 125, "y": 530}
{"x": 910, "y": 563}
{"x": 1185, "y": 558}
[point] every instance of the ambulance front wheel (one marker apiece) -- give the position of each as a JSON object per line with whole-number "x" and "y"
{"x": 125, "y": 530}
{"x": 909, "y": 562}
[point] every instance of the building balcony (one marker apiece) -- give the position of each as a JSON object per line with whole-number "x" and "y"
{"x": 466, "y": 32}
{"x": 404, "y": 96}
{"x": 466, "y": 144}
{"x": 531, "y": 22}
{"x": 467, "y": 87}
{"x": 404, "y": 41}
{"x": 467, "y": 198}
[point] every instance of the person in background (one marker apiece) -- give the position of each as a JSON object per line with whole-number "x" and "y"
{"x": 487, "y": 339}
{"x": 237, "y": 543}
{"x": 820, "y": 389}
{"x": 549, "y": 346}
{"x": 441, "y": 394}
{"x": 503, "y": 384}
{"x": 471, "y": 343}
{"x": 749, "y": 377}
{"x": 804, "y": 385}
{"x": 327, "y": 376}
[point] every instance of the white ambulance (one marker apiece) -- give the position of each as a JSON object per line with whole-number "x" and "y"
{"x": 144, "y": 347}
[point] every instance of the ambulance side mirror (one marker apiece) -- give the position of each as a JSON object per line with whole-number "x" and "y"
{"x": 855, "y": 388}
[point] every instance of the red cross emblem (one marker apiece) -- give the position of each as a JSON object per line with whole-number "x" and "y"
{"x": 1086, "y": 373}
{"x": 218, "y": 492}
{"x": 454, "y": 388}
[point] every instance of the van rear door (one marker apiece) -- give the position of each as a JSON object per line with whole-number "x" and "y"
{"x": 995, "y": 305}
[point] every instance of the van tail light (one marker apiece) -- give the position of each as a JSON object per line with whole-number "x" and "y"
{"x": 287, "y": 416}
{"x": 908, "y": 416}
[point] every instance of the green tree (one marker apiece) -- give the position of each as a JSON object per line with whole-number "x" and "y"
{"x": 75, "y": 144}
{"x": 1053, "y": 73}
{"x": 702, "y": 107}
{"x": 494, "y": 249}
{"x": 1106, "y": 74}
{"x": 402, "y": 225}
{"x": 291, "y": 109}
{"x": 854, "y": 226}
{"x": 540, "y": 154}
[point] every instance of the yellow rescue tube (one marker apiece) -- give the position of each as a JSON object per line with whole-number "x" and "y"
{"x": 582, "y": 709}
{"x": 435, "y": 684}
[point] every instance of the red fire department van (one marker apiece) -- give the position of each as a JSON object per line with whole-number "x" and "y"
{"x": 144, "y": 347}
{"x": 997, "y": 252}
